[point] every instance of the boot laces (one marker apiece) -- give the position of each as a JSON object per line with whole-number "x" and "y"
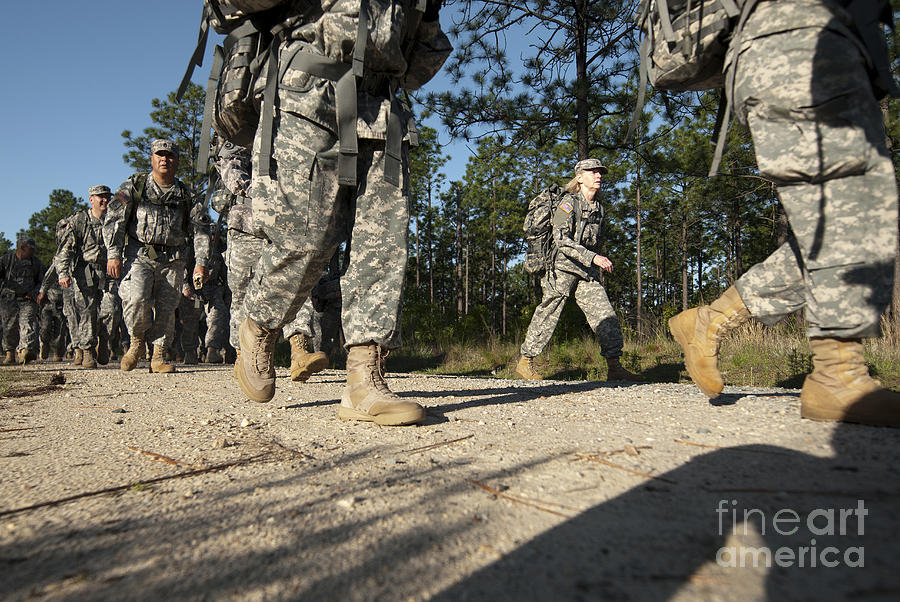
{"x": 262, "y": 355}
{"x": 378, "y": 373}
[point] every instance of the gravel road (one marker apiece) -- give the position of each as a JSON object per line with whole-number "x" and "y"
{"x": 142, "y": 486}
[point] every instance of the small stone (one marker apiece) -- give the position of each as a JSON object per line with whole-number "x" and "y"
{"x": 118, "y": 421}
{"x": 221, "y": 443}
{"x": 347, "y": 502}
{"x": 118, "y": 411}
{"x": 703, "y": 431}
{"x": 245, "y": 422}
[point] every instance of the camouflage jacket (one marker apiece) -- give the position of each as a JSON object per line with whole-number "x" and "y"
{"x": 577, "y": 233}
{"x": 165, "y": 221}
{"x": 82, "y": 243}
{"x": 20, "y": 277}
{"x": 394, "y": 57}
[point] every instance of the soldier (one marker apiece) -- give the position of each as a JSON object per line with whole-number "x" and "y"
{"x": 81, "y": 263}
{"x": 577, "y": 236}
{"x": 214, "y": 295}
{"x": 54, "y": 330}
{"x": 187, "y": 325}
{"x": 337, "y": 137}
{"x": 801, "y": 82}
{"x": 157, "y": 213}
{"x": 21, "y": 274}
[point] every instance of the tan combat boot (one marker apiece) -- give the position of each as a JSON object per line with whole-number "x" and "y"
{"x": 368, "y": 398}
{"x": 213, "y": 356}
{"x": 525, "y": 369}
{"x": 88, "y": 358}
{"x": 255, "y": 366}
{"x": 699, "y": 331}
{"x": 77, "y": 357}
{"x": 158, "y": 363}
{"x": 615, "y": 371}
{"x": 136, "y": 351}
{"x": 840, "y": 388}
{"x": 10, "y": 358}
{"x": 303, "y": 363}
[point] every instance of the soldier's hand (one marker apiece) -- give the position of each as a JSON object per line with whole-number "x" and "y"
{"x": 40, "y": 299}
{"x": 65, "y": 282}
{"x": 603, "y": 263}
{"x": 114, "y": 268}
{"x": 200, "y": 272}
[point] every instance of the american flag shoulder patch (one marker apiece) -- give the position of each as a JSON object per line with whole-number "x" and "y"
{"x": 566, "y": 206}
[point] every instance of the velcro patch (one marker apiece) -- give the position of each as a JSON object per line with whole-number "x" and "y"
{"x": 566, "y": 206}
{"x": 123, "y": 198}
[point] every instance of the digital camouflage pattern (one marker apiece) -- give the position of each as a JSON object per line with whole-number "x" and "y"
{"x": 111, "y": 313}
{"x": 81, "y": 256}
{"x": 302, "y": 210}
{"x": 801, "y": 86}
{"x": 577, "y": 234}
{"x": 159, "y": 228}
{"x": 20, "y": 283}
{"x": 53, "y": 326}
{"x": 307, "y": 220}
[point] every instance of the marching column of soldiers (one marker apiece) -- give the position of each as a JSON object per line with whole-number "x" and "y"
{"x": 75, "y": 309}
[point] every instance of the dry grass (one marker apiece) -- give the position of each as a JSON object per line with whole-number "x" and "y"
{"x": 752, "y": 355}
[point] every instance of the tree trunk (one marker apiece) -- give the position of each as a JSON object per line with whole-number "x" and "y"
{"x": 582, "y": 107}
{"x": 684, "y": 262}
{"x": 459, "y": 254}
{"x": 637, "y": 225}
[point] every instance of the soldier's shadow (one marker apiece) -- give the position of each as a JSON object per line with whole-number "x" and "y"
{"x": 682, "y": 531}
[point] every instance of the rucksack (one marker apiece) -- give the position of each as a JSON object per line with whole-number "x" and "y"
{"x": 231, "y": 107}
{"x": 683, "y": 48}
{"x": 538, "y": 227}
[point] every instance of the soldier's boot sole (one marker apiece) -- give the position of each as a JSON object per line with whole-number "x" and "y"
{"x": 399, "y": 415}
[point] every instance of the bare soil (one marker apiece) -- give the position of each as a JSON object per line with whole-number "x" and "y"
{"x": 141, "y": 486}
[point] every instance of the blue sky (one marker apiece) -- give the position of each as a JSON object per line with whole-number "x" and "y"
{"x": 76, "y": 74}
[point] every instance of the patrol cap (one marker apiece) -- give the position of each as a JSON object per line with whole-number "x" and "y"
{"x": 160, "y": 144}
{"x": 27, "y": 241}
{"x": 592, "y": 165}
{"x": 99, "y": 190}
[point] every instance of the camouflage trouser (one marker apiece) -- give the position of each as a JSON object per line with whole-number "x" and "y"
{"x": 591, "y": 298}
{"x": 20, "y": 324}
{"x": 70, "y": 312}
{"x": 305, "y": 323}
{"x": 217, "y": 327}
{"x": 88, "y": 296}
{"x": 111, "y": 312}
{"x": 306, "y": 215}
{"x": 819, "y": 135}
{"x": 150, "y": 291}
{"x": 241, "y": 255}
{"x": 53, "y": 324}
{"x": 190, "y": 314}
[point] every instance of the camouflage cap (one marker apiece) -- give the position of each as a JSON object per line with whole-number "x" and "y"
{"x": 98, "y": 190}
{"x": 592, "y": 165}
{"x": 159, "y": 145}
{"x": 25, "y": 240}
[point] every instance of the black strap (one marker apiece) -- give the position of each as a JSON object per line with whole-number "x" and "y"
{"x": 196, "y": 58}
{"x": 214, "y": 73}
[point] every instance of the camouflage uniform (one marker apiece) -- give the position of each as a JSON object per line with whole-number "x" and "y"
{"x": 802, "y": 87}
{"x": 313, "y": 194}
{"x": 244, "y": 242}
{"x": 577, "y": 228}
{"x": 21, "y": 283}
{"x": 111, "y": 313}
{"x": 159, "y": 226}
{"x": 190, "y": 315}
{"x": 54, "y": 328}
{"x": 82, "y": 257}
